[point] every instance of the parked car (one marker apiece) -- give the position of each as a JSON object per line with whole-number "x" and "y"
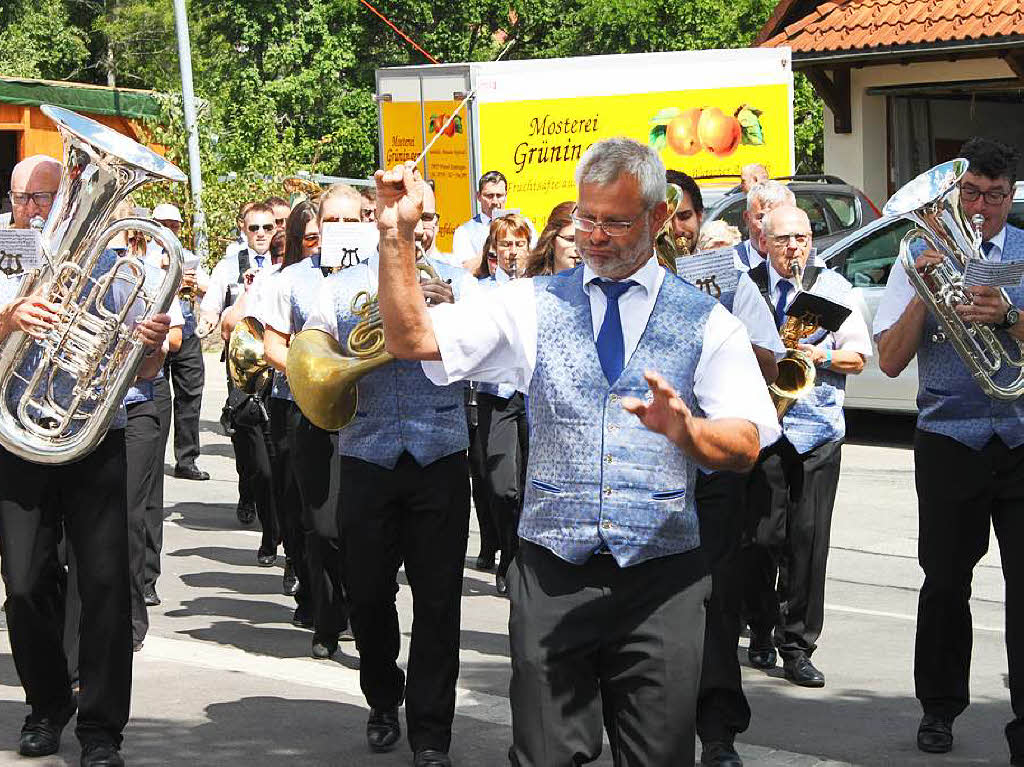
{"x": 865, "y": 258}
{"x": 834, "y": 207}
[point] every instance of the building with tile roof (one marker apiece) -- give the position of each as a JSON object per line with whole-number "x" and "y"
{"x": 905, "y": 82}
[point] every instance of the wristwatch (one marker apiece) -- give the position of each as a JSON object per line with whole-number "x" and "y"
{"x": 1012, "y": 318}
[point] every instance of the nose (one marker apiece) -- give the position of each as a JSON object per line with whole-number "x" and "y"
{"x": 599, "y": 236}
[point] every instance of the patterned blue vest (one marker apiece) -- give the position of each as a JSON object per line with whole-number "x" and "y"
{"x": 818, "y": 417}
{"x": 949, "y": 402}
{"x": 399, "y": 409}
{"x": 597, "y": 477}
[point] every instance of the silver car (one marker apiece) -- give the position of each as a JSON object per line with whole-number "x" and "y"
{"x": 865, "y": 258}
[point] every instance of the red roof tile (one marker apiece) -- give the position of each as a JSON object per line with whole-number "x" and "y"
{"x": 847, "y": 25}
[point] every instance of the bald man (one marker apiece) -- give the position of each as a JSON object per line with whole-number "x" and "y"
{"x": 34, "y": 182}
{"x": 751, "y": 175}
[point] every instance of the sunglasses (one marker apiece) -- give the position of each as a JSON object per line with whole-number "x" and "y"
{"x": 336, "y": 220}
{"x": 265, "y": 227}
{"x": 311, "y": 239}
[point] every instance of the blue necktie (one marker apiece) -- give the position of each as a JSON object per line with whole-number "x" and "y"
{"x": 780, "y": 306}
{"x": 259, "y": 262}
{"x": 610, "y": 347}
{"x": 986, "y": 247}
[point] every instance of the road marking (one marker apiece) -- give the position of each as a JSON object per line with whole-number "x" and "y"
{"x": 898, "y": 616}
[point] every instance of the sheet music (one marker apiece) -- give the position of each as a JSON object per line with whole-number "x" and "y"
{"x": 346, "y": 244}
{"x": 20, "y": 250}
{"x": 713, "y": 271}
{"x": 994, "y": 274}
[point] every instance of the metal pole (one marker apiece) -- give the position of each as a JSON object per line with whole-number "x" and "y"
{"x": 188, "y": 100}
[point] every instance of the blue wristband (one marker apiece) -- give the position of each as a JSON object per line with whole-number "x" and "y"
{"x": 828, "y": 359}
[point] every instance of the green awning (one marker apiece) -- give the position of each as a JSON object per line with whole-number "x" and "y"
{"x": 81, "y": 98}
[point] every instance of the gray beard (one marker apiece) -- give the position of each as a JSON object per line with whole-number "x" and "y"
{"x": 628, "y": 261}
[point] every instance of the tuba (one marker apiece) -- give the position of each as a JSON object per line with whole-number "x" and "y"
{"x": 248, "y": 367}
{"x": 796, "y": 371}
{"x": 323, "y": 378}
{"x": 932, "y": 202}
{"x": 59, "y": 395}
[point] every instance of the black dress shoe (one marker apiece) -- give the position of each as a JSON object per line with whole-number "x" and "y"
{"x": 302, "y": 618}
{"x": 246, "y": 512}
{"x": 935, "y": 734}
{"x": 721, "y": 754}
{"x": 40, "y": 736}
{"x": 801, "y": 671}
{"x": 383, "y": 729}
{"x": 485, "y": 561}
{"x": 323, "y": 650}
{"x": 149, "y": 596}
{"x": 429, "y": 757}
{"x": 264, "y": 559}
{"x": 762, "y": 653}
{"x": 289, "y": 583}
{"x": 191, "y": 472}
{"x": 501, "y": 585}
{"x": 101, "y": 755}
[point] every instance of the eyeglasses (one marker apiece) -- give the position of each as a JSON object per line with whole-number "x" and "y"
{"x": 782, "y": 240}
{"x": 39, "y": 198}
{"x": 311, "y": 239}
{"x": 336, "y": 220}
{"x": 992, "y": 196}
{"x": 265, "y": 227}
{"x": 611, "y": 228}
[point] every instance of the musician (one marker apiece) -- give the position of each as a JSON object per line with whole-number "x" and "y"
{"x": 556, "y": 247}
{"x": 184, "y": 368}
{"x": 968, "y": 459}
{"x": 689, "y": 213}
{"x": 34, "y": 183}
{"x": 492, "y": 194}
{"x": 284, "y": 312}
{"x": 89, "y": 497}
{"x": 761, "y": 199}
{"x": 228, "y": 281}
{"x": 281, "y": 210}
{"x": 792, "y": 489}
{"x": 405, "y": 475}
{"x": 751, "y": 175}
{"x": 608, "y": 586}
{"x": 368, "y": 206}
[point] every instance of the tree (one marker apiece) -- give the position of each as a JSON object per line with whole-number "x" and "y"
{"x": 37, "y": 39}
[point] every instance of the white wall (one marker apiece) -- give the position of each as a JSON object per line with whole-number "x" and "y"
{"x": 860, "y": 157}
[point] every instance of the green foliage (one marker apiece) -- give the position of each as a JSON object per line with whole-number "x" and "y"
{"x": 37, "y": 39}
{"x": 808, "y": 130}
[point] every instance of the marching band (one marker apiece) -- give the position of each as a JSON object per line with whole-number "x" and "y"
{"x": 653, "y": 467}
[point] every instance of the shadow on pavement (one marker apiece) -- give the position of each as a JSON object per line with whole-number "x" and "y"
{"x": 227, "y": 555}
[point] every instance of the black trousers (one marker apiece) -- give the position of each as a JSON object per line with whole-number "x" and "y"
{"x": 481, "y": 496}
{"x": 503, "y": 434}
{"x": 154, "y": 516}
{"x": 142, "y": 442}
{"x": 187, "y": 374}
{"x": 960, "y": 493}
{"x": 418, "y": 515}
{"x": 597, "y": 643}
{"x": 253, "y": 449}
{"x": 317, "y": 475}
{"x": 89, "y": 498}
{"x": 284, "y": 418}
{"x": 791, "y": 497}
{"x": 722, "y": 708}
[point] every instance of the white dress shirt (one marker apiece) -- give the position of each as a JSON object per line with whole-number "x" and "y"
{"x": 749, "y": 307}
{"x": 325, "y": 316}
{"x": 226, "y": 273}
{"x": 899, "y": 292}
{"x": 493, "y": 337}
{"x": 155, "y": 256}
{"x": 753, "y": 256}
{"x": 853, "y": 334}
{"x": 469, "y": 238}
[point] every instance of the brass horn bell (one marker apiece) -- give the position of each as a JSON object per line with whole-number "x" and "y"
{"x": 248, "y": 368}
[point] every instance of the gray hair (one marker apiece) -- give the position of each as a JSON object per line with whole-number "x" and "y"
{"x": 767, "y": 227}
{"x": 770, "y": 194}
{"x": 607, "y": 160}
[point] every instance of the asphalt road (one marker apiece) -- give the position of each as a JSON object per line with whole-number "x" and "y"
{"x": 225, "y": 679}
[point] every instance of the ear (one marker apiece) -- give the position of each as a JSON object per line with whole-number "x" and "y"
{"x": 659, "y": 215}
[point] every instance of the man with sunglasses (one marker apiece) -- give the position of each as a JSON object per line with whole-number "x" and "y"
{"x": 34, "y": 183}
{"x": 968, "y": 458}
{"x": 792, "y": 490}
{"x": 635, "y": 378}
{"x": 231, "y": 277}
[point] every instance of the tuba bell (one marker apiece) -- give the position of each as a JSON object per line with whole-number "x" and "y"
{"x": 248, "y": 367}
{"x": 59, "y": 395}
{"x": 796, "y": 371}
{"x": 324, "y": 378}
{"x": 932, "y": 202}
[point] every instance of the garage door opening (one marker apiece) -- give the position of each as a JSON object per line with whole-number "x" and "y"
{"x": 8, "y": 159}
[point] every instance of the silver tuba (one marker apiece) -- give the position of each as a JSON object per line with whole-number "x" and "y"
{"x": 58, "y": 395}
{"x": 932, "y": 201}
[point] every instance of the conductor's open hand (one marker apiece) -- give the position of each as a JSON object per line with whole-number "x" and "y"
{"x": 399, "y": 198}
{"x": 665, "y": 413}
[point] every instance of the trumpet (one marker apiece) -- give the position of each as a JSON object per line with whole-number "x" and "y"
{"x": 796, "y": 371}
{"x": 323, "y": 378}
{"x": 667, "y": 246}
